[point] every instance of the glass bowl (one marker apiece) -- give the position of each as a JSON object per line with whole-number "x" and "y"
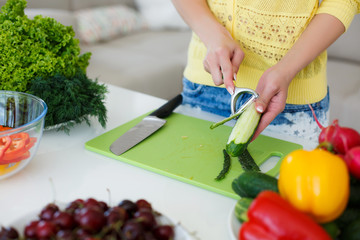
{"x": 22, "y": 118}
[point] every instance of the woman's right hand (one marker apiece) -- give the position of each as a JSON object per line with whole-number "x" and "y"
{"x": 224, "y": 54}
{"x": 223, "y": 59}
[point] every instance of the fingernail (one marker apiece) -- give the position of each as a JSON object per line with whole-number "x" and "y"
{"x": 235, "y": 76}
{"x": 260, "y": 109}
{"x": 230, "y": 90}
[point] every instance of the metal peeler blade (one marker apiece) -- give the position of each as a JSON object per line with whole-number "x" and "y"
{"x": 235, "y": 113}
{"x": 237, "y": 93}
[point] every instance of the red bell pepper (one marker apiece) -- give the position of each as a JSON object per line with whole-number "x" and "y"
{"x": 273, "y": 218}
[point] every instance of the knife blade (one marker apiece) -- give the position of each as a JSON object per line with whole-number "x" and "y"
{"x": 150, "y": 124}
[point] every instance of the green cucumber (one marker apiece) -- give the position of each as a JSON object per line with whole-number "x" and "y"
{"x": 241, "y": 208}
{"x": 243, "y": 131}
{"x": 250, "y": 184}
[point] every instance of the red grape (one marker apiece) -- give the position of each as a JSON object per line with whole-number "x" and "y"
{"x": 129, "y": 206}
{"x": 146, "y": 218}
{"x": 103, "y": 206}
{"x": 91, "y": 219}
{"x": 133, "y": 230}
{"x": 30, "y": 229}
{"x": 9, "y": 233}
{"x": 164, "y": 232}
{"x": 91, "y": 202}
{"x": 64, "y": 220}
{"x": 74, "y": 205}
{"x": 82, "y": 234}
{"x": 115, "y": 215}
{"x": 142, "y": 203}
{"x": 45, "y": 229}
{"x": 48, "y": 211}
{"x": 65, "y": 235}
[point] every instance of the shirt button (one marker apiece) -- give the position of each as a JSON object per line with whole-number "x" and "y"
{"x": 230, "y": 18}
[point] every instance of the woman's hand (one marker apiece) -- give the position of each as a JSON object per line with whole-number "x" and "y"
{"x": 223, "y": 59}
{"x": 224, "y": 54}
{"x": 272, "y": 89}
{"x": 273, "y": 85}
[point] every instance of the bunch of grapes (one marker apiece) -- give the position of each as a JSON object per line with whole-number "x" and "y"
{"x": 94, "y": 220}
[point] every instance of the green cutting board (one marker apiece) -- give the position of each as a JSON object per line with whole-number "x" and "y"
{"x": 186, "y": 149}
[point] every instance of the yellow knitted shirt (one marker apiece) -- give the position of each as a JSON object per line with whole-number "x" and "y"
{"x": 266, "y": 30}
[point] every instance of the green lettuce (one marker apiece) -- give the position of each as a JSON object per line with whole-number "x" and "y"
{"x": 33, "y": 50}
{"x": 35, "y": 47}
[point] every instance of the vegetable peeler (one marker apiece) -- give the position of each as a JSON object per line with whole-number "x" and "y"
{"x": 237, "y": 93}
{"x": 235, "y": 113}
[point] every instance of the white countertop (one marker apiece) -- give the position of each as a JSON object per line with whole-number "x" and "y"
{"x": 63, "y": 170}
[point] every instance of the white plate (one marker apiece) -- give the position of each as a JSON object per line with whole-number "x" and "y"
{"x": 180, "y": 232}
{"x": 233, "y": 225}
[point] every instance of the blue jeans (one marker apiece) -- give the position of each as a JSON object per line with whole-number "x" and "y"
{"x": 294, "y": 120}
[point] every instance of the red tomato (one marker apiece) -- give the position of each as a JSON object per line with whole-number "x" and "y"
{"x": 4, "y": 145}
{"x": 17, "y": 146}
{"x": 26, "y": 155}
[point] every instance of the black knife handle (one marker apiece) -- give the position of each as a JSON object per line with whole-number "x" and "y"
{"x": 166, "y": 109}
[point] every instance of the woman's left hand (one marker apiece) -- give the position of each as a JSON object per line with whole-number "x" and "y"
{"x": 272, "y": 89}
{"x": 273, "y": 85}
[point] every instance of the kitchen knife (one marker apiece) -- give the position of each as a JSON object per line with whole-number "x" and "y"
{"x": 145, "y": 128}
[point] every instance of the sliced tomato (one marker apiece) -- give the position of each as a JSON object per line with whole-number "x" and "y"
{"x": 22, "y": 136}
{"x": 4, "y": 145}
{"x": 17, "y": 146}
{"x": 24, "y": 156}
{"x": 31, "y": 143}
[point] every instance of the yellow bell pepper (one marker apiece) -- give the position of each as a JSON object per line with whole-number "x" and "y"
{"x": 315, "y": 182}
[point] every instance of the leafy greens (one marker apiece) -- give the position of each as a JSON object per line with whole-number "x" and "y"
{"x": 80, "y": 97}
{"x": 43, "y": 50}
